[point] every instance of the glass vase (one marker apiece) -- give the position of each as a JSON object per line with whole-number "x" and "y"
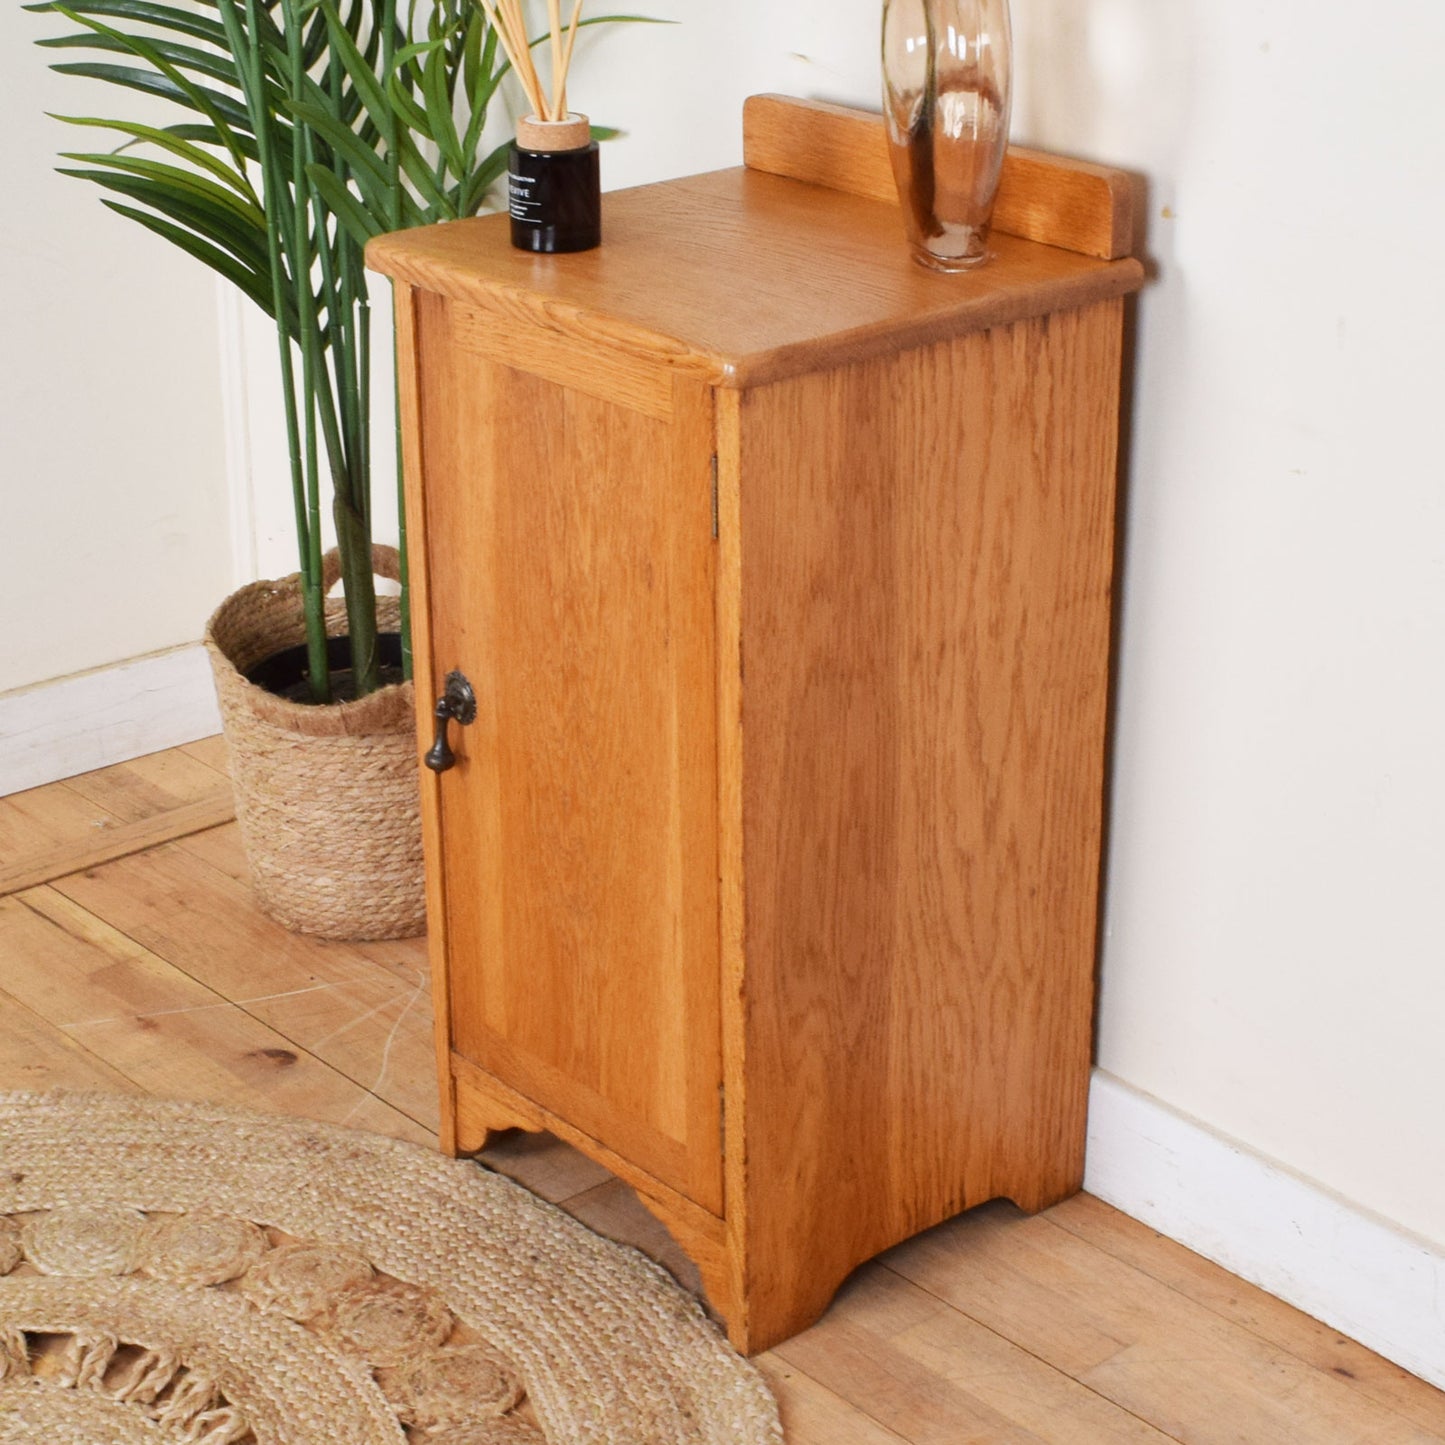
{"x": 947, "y": 76}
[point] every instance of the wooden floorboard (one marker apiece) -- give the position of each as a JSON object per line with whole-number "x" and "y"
{"x": 150, "y": 786}
{"x": 211, "y": 751}
{"x": 156, "y": 899}
{"x": 47, "y": 833}
{"x": 1250, "y": 1307}
{"x": 815, "y": 1415}
{"x": 37, "y": 1056}
{"x": 42, "y": 820}
{"x": 151, "y": 969}
{"x": 1185, "y": 1369}
{"x": 164, "y": 1030}
{"x": 933, "y": 1374}
{"x": 612, "y": 1209}
{"x": 119, "y": 840}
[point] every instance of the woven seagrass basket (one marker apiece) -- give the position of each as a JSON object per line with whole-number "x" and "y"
{"x": 327, "y": 797}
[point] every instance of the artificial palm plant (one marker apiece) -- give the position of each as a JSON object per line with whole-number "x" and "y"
{"x": 310, "y": 126}
{"x": 306, "y": 127}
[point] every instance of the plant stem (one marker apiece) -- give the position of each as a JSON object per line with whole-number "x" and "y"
{"x": 393, "y": 163}
{"x": 312, "y": 365}
{"x": 247, "y": 48}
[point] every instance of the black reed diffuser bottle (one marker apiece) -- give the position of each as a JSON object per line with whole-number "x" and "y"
{"x": 554, "y": 186}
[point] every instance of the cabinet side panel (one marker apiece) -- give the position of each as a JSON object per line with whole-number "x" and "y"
{"x": 415, "y": 333}
{"x": 570, "y": 555}
{"x": 926, "y": 570}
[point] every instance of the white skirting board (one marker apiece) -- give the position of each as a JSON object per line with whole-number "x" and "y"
{"x": 58, "y": 729}
{"x": 1363, "y": 1276}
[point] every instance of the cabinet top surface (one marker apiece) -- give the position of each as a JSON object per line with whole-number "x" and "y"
{"x": 744, "y": 277}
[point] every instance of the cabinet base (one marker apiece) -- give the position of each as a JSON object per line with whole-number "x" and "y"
{"x": 484, "y": 1107}
{"x": 755, "y": 1319}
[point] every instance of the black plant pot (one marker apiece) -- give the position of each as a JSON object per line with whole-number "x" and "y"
{"x": 286, "y": 673}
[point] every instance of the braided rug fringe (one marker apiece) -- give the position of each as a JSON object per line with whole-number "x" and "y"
{"x": 610, "y": 1350}
{"x": 326, "y": 797}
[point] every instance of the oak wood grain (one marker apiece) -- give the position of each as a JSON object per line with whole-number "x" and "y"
{"x": 732, "y": 870}
{"x": 925, "y": 639}
{"x": 1072, "y": 204}
{"x": 808, "y": 812}
{"x": 574, "y": 537}
{"x": 826, "y": 276}
{"x": 609, "y": 374}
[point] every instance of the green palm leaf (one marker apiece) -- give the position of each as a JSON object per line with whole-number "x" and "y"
{"x": 176, "y": 180}
{"x": 217, "y": 222}
{"x": 175, "y": 144}
{"x": 165, "y": 17}
{"x": 373, "y": 98}
{"x": 307, "y": 128}
{"x": 255, "y": 284}
{"x": 230, "y": 111}
{"x": 359, "y": 222}
{"x": 187, "y": 58}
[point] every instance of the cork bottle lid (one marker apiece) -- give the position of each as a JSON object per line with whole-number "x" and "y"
{"x": 572, "y": 134}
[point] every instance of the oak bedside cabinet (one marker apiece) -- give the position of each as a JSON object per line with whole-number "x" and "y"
{"x": 763, "y": 862}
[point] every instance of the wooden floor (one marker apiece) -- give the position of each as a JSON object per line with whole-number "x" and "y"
{"x": 131, "y": 957}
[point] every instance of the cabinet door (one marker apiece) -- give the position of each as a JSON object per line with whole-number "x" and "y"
{"x": 570, "y": 555}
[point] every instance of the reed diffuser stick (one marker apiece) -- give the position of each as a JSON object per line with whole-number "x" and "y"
{"x": 507, "y": 19}
{"x": 499, "y": 18}
{"x": 554, "y": 18}
{"x": 522, "y": 56}
{"x": 567, "y": 55}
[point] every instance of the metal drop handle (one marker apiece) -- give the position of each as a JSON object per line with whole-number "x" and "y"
{"x": 457, "y": 703}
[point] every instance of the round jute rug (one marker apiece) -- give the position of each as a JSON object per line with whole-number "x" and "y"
{"x": 182, "y": 1274}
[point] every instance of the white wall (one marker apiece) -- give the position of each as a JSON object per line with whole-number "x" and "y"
{"x": 1274, "y": 961}
{"x": 113, "y": 534}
